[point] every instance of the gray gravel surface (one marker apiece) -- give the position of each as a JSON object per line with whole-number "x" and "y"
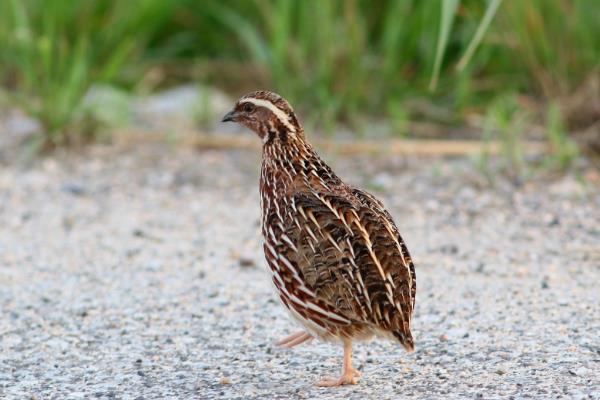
{"x": 138, "y": 274}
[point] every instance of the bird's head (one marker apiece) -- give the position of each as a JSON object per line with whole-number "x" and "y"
{"x": 267, "y": 114}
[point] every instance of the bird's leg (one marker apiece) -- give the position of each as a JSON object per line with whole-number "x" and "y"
{"x": 304, "y": 338}
{"x": 349, "y": 374}
{"x": 294, "y": 339}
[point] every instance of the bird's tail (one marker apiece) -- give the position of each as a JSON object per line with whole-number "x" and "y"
{"x": 405, "y": 339}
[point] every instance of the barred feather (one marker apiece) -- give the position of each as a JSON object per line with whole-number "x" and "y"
{"x": 338, "y": 261}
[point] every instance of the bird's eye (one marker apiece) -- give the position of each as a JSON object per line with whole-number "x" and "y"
{"x": 248, "y": 107}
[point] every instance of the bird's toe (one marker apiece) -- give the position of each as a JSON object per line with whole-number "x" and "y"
{"x": 347, "y": 379}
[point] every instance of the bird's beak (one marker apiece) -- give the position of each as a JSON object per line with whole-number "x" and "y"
{"x": 230, "y": 116}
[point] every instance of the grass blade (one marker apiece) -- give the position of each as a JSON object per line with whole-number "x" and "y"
{"x": 448, "y": 14}
{"x": 481, "y": 29}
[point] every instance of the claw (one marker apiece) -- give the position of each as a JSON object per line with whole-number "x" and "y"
{"x": 347, "y": 379}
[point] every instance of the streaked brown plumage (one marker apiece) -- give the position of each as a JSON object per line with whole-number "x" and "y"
{"x": 338, "y": 262}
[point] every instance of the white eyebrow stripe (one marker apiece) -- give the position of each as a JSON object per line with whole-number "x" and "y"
{"x": 283, "y": 118}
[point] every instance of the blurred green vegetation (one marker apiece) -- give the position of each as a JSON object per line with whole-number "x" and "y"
{"x": 336, "y": 60}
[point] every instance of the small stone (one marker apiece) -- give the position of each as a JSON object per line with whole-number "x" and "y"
{"x": 68, "y": 222}
{"x": 74, "y": 189}
{"x": 449, "y": 248}
{"x": 246, "y": 262}
{"x": 553, "y": 221}
{"x": 581, "y": 371}
{"x": 480, "y": 268}
{"x": 225, "y": 380}
{"x": 457, "y": 333}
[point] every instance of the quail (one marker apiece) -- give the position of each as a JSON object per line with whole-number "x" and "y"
{"x": 338, "y": 262}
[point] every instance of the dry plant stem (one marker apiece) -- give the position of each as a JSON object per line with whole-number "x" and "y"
{"x": 420, "y": 147}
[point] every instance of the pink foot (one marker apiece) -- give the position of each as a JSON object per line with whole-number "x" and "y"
{"x": 294, "y": 339}
{"x": 349, "y": 378}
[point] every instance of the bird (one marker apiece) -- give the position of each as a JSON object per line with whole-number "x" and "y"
{"x": 338, "y": 263}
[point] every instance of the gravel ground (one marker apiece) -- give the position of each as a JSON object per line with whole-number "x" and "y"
{"x": 137, "y": 274}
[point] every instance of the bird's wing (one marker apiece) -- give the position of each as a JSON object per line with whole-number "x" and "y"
{"x": 373, "y": 203}
{"x": 348, "y": 256}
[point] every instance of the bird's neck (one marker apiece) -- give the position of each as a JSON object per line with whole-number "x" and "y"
{"x": 283, "y": 162}
{"x": 288, "y": 166}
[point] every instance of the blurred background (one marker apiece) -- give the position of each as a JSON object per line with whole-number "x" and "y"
{"x": 485, "y": 70}
{"x": 130, "y": 258}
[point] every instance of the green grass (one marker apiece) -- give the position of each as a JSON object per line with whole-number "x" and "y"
{"x": 53, "y": 51}
{"x": 336, "y": 60}
{"x": 563, "y": 149}
{"x": 505, "y": 121}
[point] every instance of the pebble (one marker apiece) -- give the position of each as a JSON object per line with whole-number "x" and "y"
{"x": 225, "y": 380}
